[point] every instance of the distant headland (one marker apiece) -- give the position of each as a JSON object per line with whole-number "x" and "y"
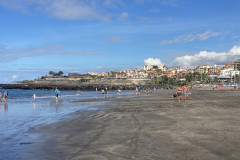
{"x": 154, "y": 75}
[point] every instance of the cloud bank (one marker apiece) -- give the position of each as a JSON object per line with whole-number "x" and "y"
{"x": 192, "y": 37}
{"x": 12, "y": 54}
{"x": 205, "y": 57}
{"x": 152, "y": 61}
{"x": 62, "y": 9}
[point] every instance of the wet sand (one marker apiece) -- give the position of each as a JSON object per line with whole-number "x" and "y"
{"x": 155, "y": 127}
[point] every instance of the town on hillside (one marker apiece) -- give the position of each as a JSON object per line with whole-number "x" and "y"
{"x": 160, "y": 74}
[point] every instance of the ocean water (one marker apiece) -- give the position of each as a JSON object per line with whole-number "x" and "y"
{"x": 21, "y": 113}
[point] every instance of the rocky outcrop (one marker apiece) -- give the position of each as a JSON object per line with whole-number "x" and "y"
{"x": 77, "y": 84}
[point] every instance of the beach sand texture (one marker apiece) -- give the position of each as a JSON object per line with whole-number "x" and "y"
{"x": 155, "y": 127}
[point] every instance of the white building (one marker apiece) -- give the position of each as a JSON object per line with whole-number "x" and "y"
{"x": 153, "y": 67}
{"x": 228, "y": 73}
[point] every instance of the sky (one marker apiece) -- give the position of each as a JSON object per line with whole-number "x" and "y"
{"x": 38, "y": 36}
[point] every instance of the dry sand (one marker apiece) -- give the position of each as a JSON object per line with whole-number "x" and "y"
{"x": 155, "y": 127}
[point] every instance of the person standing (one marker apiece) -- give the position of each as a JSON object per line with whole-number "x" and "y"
{"x": 179, "y": 93}
{"x": 34, "y": 96}
{"x": 0, "y": 96}
{"x": 186, "y": 92}
{"x": 106, "y": 93}
{"x": 56, "y": 93}
{"x": 119, "y": 91}
{"x": 139, "y": 91}
{"x": 103, "y": 92}
{"x": 5, "y": 94}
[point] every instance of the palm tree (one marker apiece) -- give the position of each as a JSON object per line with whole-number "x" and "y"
{"x": 51, "y": 73}
{"x": 60, "y": 73}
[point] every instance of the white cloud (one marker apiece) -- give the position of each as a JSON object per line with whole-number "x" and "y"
{"x": 11, "y": 54}
{"x": 152, "y": 61}
{"x": 21, "y": 5}
{"x": 123, "y": 16}
{"x": 73, "y": 10}
{"x": 192, "y": 37}
{"x": 14, "y": 77}
{"x": 60, "y": 9}
{"x": 205, "y": 57}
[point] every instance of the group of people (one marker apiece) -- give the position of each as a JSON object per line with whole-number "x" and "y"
{"x": 147, "y": 90}
{"x": 56, "y": 94}
{"x": 182, "y": 91}
{"x": 138, "y": 91}
{"x": 105, "y": 92}
{"x": 4, "y": 96}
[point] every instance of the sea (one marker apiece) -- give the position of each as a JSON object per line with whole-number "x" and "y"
{"x": 21, "y": 112}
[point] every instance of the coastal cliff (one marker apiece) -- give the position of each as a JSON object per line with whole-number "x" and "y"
{"x": 81, "y": 84}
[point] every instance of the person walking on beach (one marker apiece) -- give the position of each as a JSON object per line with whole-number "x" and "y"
{"x": 56, "y": 93}
{"x": 179, "y": 93}
{"x": 186, "y": 92}
{"x": 136, "y": 91}
{"x": 5, "y": 94}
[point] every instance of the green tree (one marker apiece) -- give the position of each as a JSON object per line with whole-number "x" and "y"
{"x": 60, "y": 73}
{"x": 236, "y": 78}
{"x": 238, "y": 67}
{"x": 189, "y": 77}
{"x": 165, "y": 79}
{"x": 196, "y": 76}
{"x": 51, "y": 73}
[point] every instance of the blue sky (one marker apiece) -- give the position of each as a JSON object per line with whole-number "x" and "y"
{"x": 104, "y": 35}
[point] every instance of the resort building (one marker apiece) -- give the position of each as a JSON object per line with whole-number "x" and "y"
{"x": 153, "y": 67}
{"x": 237, "y": 64}
{"x": 182, "y": 74}
{"x": 228, "y": 74}
{"x": 170, "y": 74}
{"x": 205, "y": 68}
{"x": 229, "y": 66}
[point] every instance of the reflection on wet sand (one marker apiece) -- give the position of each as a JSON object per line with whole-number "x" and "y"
{"x": 34, "y": 105}
{"x": 5, "y": 105}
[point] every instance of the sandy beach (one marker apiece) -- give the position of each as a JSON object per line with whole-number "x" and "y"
{"x": 155, "y": 127}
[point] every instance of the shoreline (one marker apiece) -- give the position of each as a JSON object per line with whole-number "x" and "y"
{"x": 147, "y": 127}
